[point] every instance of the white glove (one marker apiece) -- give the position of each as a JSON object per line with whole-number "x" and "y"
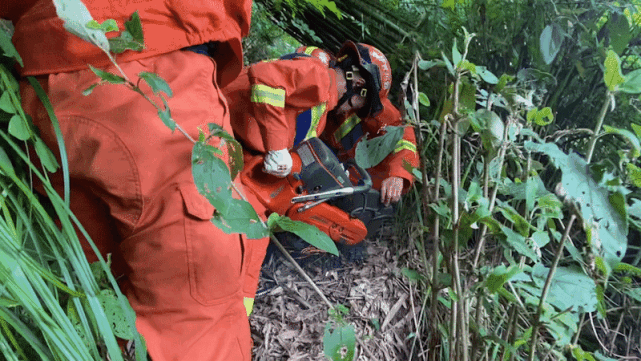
{"x": 278, "y": 163}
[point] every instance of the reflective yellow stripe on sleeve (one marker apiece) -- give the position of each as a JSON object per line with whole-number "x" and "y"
{"x": 317, "y": 113}
{"x": 405, "y": 144}
{"x": 268, "y": 95}
{"x": 310, "y": 49}
{"x": 346, "y": 127}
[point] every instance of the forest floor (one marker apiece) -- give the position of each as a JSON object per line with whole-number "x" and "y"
{"x": 289, "y": 317}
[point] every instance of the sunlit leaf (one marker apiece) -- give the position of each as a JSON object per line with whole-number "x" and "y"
{"x": 612, "y": 75}
{"x": 423, "y": 99}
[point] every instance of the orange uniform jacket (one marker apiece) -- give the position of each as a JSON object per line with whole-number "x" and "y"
{"x": 268, "y": 96}
{"x": 169, "y": 25}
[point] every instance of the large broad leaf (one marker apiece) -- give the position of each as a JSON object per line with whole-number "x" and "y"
{"x": 612, "y": 75}
{"x": 570, "y": 287}
{"x": 370, "y": 152}
{"x": 211, "y": 177}
{"x": 309, "y": 233}
{"x": 632, "y": 83}
{"x": 602, "y": 221}
{"x": 212, "y": 180}
{"x": 240, "y": 218}
{"x": 115, "y": 314}
{"x": 76, "y": 16}
{"x": 550, "y": 42}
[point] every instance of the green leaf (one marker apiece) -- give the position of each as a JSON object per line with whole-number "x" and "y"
{"x": 634, "y": 293}
{"x": 370, "y": 152}
{"x": 7, "y": 47}
{"x": 602, "y": 221}
{"x": 6, "y": 104}
{"x": 213, "y": 181}
{"x": 423, "y": 99}
{"x": 620, "y": 33}
{"x": 550, "y": 42}
{"x": 18, "y": 128}
{"x": 90, "y": 89}
{"x": 47, "y": 158}
{"x": 211, "y": 177}
{"x": 412, "y": 275}
{"x": 234, "y": 148}
{"x": 165, "y": 116}
{"x": 156, "y": 83}
{"x": 107, "y": 25}
{"x": 448, "y": 64}
{"x": 487, "y": 75}
{"x": 449, "y": 4}
{"x": 517, "y": 242}
{"x": 630, "y": 137}
{"x": 581, "y": 355}
{"x": 456, "y": 55}
{"x": 309, "y": 233}
{"x": 339, "y": 344}
{"x": 632, "y": 83}
{"x": 131, "y": 38}
{"x": 634, "y": 174}
{"x": 570, "y": 287}
{"x": 5, "y": 163}
{"x": 499, "y": 276}
{"x": 612, "y": 75}
{"x": 240, "y": 217}
{"x": 76, "y": 16}
{"x": 115, "y": 314}
{"x": 428, "y": 64}
{"x": 107, "y": 76}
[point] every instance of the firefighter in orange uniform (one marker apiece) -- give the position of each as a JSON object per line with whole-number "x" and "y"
{"x": 342, "y": 133}
{"x": 131, "y": 179}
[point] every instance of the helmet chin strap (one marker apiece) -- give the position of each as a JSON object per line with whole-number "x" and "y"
{"x": 348, "y": 71}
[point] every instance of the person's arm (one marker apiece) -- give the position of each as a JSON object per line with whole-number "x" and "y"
{"x": 398, "y": 179}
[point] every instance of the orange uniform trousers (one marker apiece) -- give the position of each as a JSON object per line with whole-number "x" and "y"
{"x": 132, "y": 189}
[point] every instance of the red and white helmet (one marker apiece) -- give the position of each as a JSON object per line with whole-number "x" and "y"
{"x": 325, "y": 56}
{"x": 377, "y": 73}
